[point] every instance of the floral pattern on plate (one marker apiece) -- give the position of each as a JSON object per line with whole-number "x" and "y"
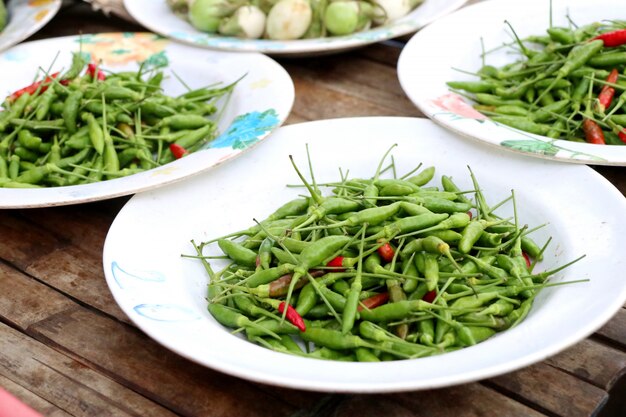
{"x": 451, "y": 109}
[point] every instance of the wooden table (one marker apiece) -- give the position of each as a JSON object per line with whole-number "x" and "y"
{"x": 67, "y": 349}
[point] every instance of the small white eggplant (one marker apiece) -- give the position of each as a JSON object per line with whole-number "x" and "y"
{"x": 206, "y": 15}
{"x": 247, "y": 22}
{"x": 289, "y": 19}
{"x": 346, "y": 17}
{"x": 316, "y": 28}
{"x": 393, "y": 9}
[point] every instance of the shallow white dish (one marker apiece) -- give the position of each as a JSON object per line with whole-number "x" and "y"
{"x": 428, "y": 60}
{"x": 164, "y": 294}
{"x": 157, "y": 16}
{"x": 260, "y": 103}
{"x": 25, "y": 18}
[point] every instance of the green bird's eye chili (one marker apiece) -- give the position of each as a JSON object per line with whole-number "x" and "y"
{"x": 65, "y": 113}
{"x": 412, "y": 283}
{"x": 544, "y": 90}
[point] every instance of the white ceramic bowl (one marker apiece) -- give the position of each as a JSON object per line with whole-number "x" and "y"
{"x": 164, "y": 294}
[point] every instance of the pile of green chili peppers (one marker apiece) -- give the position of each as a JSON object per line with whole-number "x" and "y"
{"x": 382, "y": 269}
{"x": 558, "y": 88}
{"x": 83, "y": 126}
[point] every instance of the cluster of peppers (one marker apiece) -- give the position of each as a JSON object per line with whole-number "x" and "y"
{"x": 564, "y": 89}
{"x": 83, "y": 126}
{"x": 383, "y": 269}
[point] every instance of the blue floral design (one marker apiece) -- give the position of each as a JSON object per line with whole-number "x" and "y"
{"x": 166, "y": 312}
{"x": 246, "y": 130}
{"x": 534, "y": 146}
{"x": 16, "y": 55}
{"x": 120, "y": 275}
{"x": 158, "y": 60}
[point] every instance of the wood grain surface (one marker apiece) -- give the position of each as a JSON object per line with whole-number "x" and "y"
{"x": 66, "y": 349}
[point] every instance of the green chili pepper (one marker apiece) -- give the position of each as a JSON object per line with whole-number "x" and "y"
{"x": 409, "y": 224}
{"x": 470, "y": 235}
{"x": 563, "y": 36}
{"x": 522, "y": 123}
{"x": 43, "y": 106}
{"x": 531, "y": 248}
{"x": 442, "y": 327}
{"x": 237, "y": 252}
{"x": 70, "y": 110}
{"x": 15, "y": 111}
{"x": 395, "y": 311}
{"x": 492, "y": 271}
{"x": 423, "y": 177}
{"x": 4, "y": 168}
{"x": 28, "y": 140}
{"x": 284, "y": 257}
{"x": 78, "y": 64}
{"x": 474, "y": 86}
{"x": 96, "y": 136}
{"x": 609, "y": 59}
{"x": 365, "y": 355}
{"x": 493, "y": 100}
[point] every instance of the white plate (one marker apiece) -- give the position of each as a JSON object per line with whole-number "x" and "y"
{"x": 259, "y": 104}
{"x": 157, "y": 16}
{"x": 165, "y": 294}
{"x": 25, "y": 18}
{"x": 428, "y": 59}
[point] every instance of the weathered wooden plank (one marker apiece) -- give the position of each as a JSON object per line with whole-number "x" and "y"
{"x": 615, "y": 329}
{"x": 593, "y": 362}
{"x": 359, "y": 72}
{"x": 315, "y": 87}
{"x": 553, "y": 390}
{"x": 79, "y": 274}
{"x": 386, "y": 53}
{"x": 22, "y": 242}
{"x": 130, "y": 357}
{"x": 311, "y": 103}
{"x": 469, "y": 400}
{"x": 31, "y": 399}
{"x": 24, "y": 301}
{"x": 65, "y": 383}
{"x": 83, "y": 225}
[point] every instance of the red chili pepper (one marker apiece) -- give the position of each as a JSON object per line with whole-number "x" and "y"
{"x": 429, "y": 297}
{"x": 386, "y": 252}
{"x": 178, "y": 151}
{"x": 606, "y": 94}
{"x": 622, "y": 135}
{"x": 91, "y": 70}
{"x": 469, "y": 213}
{"x": 336, "y": 262}
{"x": 374, "y": 301}
{"x": 30, "y": 89}
{"x": 293, "y": 316}
{"x": 593, "y": 132}
{"x": 615, "y": 38}
{"x": 526, "y": 258}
